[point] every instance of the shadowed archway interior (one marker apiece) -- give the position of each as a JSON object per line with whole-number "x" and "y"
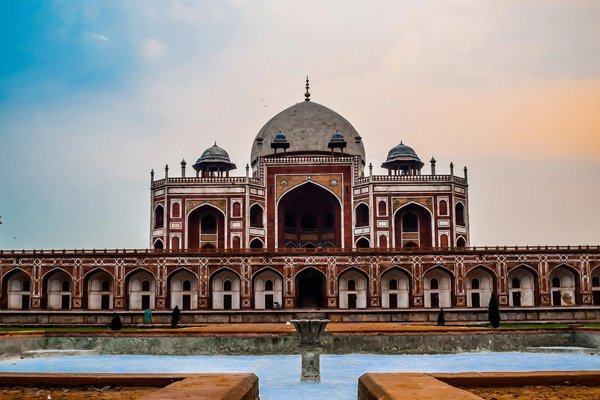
{"x": 310, "y": 217}
{"x": 310, "y": 289}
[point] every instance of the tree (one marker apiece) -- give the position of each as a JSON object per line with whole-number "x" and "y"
{"x": 115, "y": 322}
{"x": 441, "y": 320}
{"x": 175, "y": 317}
{"x": 494, "y": 311}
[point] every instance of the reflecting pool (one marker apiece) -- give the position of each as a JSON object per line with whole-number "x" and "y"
{"x": 280, "y": 375}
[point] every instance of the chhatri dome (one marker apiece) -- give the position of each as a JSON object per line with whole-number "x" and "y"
{"x": 308, "y": 128}
{"x": 214, "y": 160}
{"x": 402, "y": 159}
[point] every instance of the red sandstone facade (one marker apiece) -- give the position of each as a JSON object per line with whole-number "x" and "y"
{"x": 304, "y": 228}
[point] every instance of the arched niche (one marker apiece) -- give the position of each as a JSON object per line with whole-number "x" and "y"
{"x": 268, "y": 290}
{"x": 395, "y": 289}
{"x": 310, "y": 214}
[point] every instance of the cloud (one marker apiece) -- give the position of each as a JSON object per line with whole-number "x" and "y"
{"x": 153, "y": 49}
{"x": 97, "y": 36}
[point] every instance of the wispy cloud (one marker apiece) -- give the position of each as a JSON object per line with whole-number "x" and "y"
{"x": 97, "y": 36}
{"x": 153, "y": 49}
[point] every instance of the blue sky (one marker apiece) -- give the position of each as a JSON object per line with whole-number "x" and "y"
{"x": 93, "y": 94}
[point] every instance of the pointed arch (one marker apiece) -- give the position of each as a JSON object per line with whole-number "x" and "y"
{"x": 362, "y": 214}
{"x": 202, "y": 229}
{"x": 523, "y": 286}
{"x": 225, "y": 288}
{"x": 97, "y": 295}
{"x": 438, "y": 287}
{"x": 57, "y": 285}
{"x": 16, "y": 289}
{"x": 182, "y": 289}
{"x": 413, "y": 224}
{"x": 481, "y": 283}
{"x": 140, "y": 287}
{"x": 267, "y": 284}
{"x": 256, "y": 216}
{"x": 396, "y": 285}
{"x": 257, "y": 243}
{"x": 353, "y": 285}
{"x": 459, "y": 213}
{"x": 595, "y": 284}
{"x": 566, "y": 293}
{"x": 310, "y": 287}
{"x": 309, "y": 212}
{"x": 159, "y": 216}
{"x": 362, "y": 243}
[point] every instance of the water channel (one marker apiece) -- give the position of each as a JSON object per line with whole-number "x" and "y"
{"x": 279, "y": 375}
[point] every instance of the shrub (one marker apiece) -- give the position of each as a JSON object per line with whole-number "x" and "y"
{"x": 494, "y": 311}
{"x": 441, "y": 320}
{"x": 115, "y": 322}
{"x": 175, "y": 317}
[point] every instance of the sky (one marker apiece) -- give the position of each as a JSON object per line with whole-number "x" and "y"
{"x": 95, "y": 94}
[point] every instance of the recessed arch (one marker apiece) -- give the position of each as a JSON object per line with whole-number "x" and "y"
{"x": 57, "y": 285}
{"x": 459, "y": 213}
{"x": 182, "y": 289}
{"x": 522, "y": 286}
{"x": 213, "y": 273}
{"x": 202, "y": 229}
{"x": 16, "y": 290}
{"x": 225, "y": 289}
{"x": 396, "y": 283}
{"x": 309, "y": 212}
{"x": 362, "y": 215}
{"x": 268, "y": 289}
{"x": 98, "y": 285}
{"x": 257, "y": 243}
{"x": 438, "y": 286}
{"x": 353, "y": 285}
{"x": 595, "y": 284}
{"x": 158, "y": 244}
{"x": 480, "y": 286}
{"x": 140, "y": 286}
{"x": 568, "y": 288}
{"x": 362, "y": 243}
{"x": 399, "y": 268}
{"x": 256, "y": 216}
{"x": 159, "y": 216}
{"x": 310, "y": 288}
{"x": 413, "y": 225}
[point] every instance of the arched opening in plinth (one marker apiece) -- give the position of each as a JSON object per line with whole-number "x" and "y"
{"x": 310, "y": 289}
{"x": 56, "y": 290}
{"x": 183, "y": 290}
{"x": 564, "y": 286}
{"x": 98, "y": 290}
{"x": 16, "y": 290}
{"x": 481, "y": 284}
{"x": 309, "y": 215}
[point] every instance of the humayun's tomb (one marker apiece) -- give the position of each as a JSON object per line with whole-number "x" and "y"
{"x": 308, "y": 226}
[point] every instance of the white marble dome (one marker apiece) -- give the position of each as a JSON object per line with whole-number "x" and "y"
{"x": 308, "y": 127}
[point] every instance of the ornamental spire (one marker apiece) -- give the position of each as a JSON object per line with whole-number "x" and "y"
{"x": 307, "y": 94}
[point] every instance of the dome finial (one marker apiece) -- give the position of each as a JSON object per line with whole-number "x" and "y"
{"x": 307, "y": 94}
